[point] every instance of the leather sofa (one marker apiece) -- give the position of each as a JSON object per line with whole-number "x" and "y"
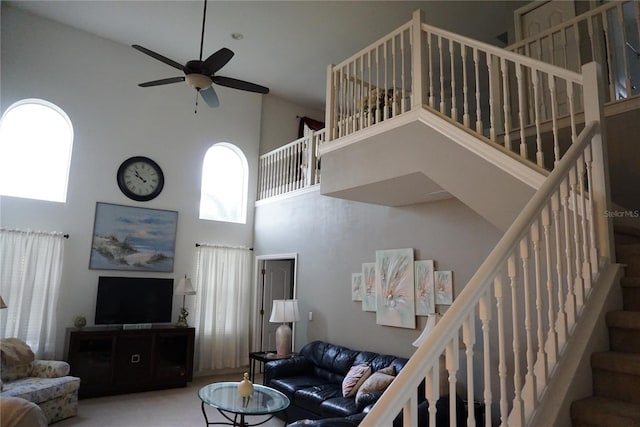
{"x": 312, "y": 380}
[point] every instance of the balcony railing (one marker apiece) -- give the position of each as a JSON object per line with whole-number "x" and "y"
{"x": 608, "y": 34}
{"x": 291, "y": 167}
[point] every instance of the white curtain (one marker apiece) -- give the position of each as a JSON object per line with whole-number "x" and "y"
{"x": 223, "y": 307}
{"x": 30, "y": 271}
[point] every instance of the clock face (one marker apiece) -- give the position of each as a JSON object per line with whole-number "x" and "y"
{"x": 140, "y": 178}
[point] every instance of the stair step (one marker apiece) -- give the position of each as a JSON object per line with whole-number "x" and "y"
{"x": 629, "y": 255}
{"x": 616, "y": 376}
{"x": 624, "y": 331}
{"x": 603, "y": 412}
{"x": 631, "y": 293}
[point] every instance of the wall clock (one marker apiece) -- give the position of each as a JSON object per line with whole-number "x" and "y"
{"x": 140, "y": 178}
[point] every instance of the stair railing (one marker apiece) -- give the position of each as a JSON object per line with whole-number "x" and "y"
{"x": 534, "y": 284}
{"x": 291, "y": 167}
{"x": 516, "y": 103}
{"x": 608, "y": 34}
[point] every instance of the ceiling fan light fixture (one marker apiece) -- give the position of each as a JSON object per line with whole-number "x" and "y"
{"x": 198, "y": 81}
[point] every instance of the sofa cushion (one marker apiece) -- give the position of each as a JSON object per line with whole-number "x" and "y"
{"x": 354, "y": 379}
{"x": 330, "y": 361}
{"x": 310, "y": 398}
{"x": 12, "y": 373}
{"x": 38, "y": 390}
{"x": 338, "y": 407}
{"x": 290, "y": 385}
{"x": 378, "y": 381}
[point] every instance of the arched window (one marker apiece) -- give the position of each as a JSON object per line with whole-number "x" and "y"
{"x": 36, "y": 138}
{"x": 224, "y": 187}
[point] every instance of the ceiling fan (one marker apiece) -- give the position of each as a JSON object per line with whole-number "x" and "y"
{"x": 201, "y": 74}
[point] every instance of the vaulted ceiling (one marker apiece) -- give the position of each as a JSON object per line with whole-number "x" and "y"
{"x": 285, "y": 45}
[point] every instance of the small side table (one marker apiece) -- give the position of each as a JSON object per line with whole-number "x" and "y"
{"x": 262, "y": 357}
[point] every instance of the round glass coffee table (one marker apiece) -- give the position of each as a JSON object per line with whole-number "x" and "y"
{"x": 226, "y": 399}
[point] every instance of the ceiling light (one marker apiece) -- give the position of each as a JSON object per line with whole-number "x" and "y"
{"x": 237, "y": 36}
{"x": 198, "y": 81}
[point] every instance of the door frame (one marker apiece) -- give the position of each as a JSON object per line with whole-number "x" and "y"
{"x": 256, "y": 320}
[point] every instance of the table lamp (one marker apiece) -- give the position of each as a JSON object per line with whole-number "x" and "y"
{"x": 184, "y": 288}
{"x": 2, "y": 304}
{"x": 284, "y": 311}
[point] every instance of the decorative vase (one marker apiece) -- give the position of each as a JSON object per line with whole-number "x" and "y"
{"x": 245, "y": 388}
{"x": 80, "y": 322}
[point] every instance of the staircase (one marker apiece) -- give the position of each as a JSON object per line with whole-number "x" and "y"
{"x": 616, "y": 373}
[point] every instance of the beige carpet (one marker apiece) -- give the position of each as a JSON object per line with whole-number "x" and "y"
{"x": 179, "y": 407}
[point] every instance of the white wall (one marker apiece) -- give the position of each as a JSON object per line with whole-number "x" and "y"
{"x": 279, "y": 122}
{"x": 95, "y": 82}
{"x": 333, "y": 237}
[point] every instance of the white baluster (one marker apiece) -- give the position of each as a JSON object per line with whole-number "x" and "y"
{"x": 469, "y": 340}
{"x": 432, "y": 390}
{"x": 441, "y": 61}
{"x": 578, "y": 285}
{"x": 368, "y": 96}
{"x": 536, "y": 112}
{"x": 465, "y": 87}
{"x": 518, "y": 404}
{"x": 582, "y": 208}
{"x": 521, "y": 109}
{"x": 530, "y": 379}
{"x": 554, "y": 119}
{"x": 506, "y": 104}
{"x": 610, "y": 64}
{"x": 403, "y": 92}
{"x": 562, "y": 316}
{"x": 542, "y": 373}
{"x": 452, "y": 361}
{"x": 593, "y": 251}
{"x": 502, "y": 363}
{"x": 385, "y": 110}
{"x": 476, "y": 65}
{"x": 552, "y": 351}
{"x": 432, "y": 99}
{"x": 484, "y": 312}
{"x": 492, "y": 100}
{"x": 571, "y": 296}
{"x": 454, "y": 108}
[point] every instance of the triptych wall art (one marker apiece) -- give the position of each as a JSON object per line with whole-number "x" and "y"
{"x": 399, "y": 288}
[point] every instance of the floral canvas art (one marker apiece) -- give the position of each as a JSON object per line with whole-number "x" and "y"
{"x": 395, "y": 302}
{"x": 356, "y": 287}
{"x": 369, "y": 286}
{"x": 425, "y": 290}
{"x": 131, "y": 238}
{"x": 444, "y": 287}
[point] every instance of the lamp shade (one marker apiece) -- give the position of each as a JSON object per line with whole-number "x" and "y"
{"x": 185, "y": 287}
{"x": 284, "y": 311}
{"x": 2, "y": 304}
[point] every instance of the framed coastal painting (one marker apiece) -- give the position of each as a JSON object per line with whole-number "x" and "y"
{"x": 395, "y": 302}
{"x": 425, "y": 289}
{"x": 133, "y": 239}
{"x": 369, "y": 286}
{"x": 356, "y": 287}
{"x": 444, "y": 287}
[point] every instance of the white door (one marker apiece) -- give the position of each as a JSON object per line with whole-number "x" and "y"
{"x": 277, "y": 282}
{"x": 561, "y": 49}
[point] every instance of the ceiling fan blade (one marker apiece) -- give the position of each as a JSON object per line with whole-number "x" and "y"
{"x": 240, "y": 84}
{"x": 218, "y": 60}
{"x": 210, "y": 97}
{"x": 162, "y": 81}
{"x": 157, "y": 56}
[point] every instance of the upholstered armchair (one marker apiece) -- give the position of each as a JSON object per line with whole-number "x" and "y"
{"x": 44, "y": 382}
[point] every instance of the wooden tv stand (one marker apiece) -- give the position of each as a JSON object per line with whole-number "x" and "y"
{"x": 110, "y": 360}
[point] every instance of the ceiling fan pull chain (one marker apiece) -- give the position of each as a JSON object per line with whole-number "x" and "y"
{"x": 196, "y": 109}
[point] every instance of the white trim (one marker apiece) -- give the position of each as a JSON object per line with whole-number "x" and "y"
{"x": 284, "y": 196}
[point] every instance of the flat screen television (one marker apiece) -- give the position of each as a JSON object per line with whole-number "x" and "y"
{"x": 131, "y": 300}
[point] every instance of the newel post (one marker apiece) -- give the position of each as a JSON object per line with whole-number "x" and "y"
{"x": 593, "y": 95}
{"x": 418, "y": 60}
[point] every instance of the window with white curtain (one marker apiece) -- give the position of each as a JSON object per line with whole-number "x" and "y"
{"x": 30, "y": 274}
{"x": 223, "y": 307}
{"x": 225, "y": 185}
{"x": 36, "y": 139}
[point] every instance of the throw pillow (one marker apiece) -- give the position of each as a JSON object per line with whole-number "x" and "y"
{"x": 354, "y": 379}
{"x": 378, "y": 381}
